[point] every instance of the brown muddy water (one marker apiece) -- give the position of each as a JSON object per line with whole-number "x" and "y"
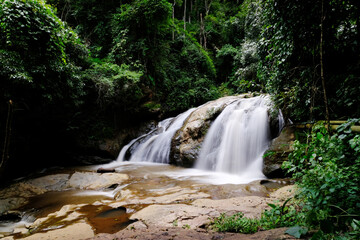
{"x": 105, "y": 201}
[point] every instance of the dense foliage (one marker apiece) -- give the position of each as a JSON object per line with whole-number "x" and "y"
{"x": 295, "y": 35}
{"x": 41, "y": 62}
{"x": 86, "y": 67}
{"x": 39, "y": 55}
{"x": 327, "y": 170}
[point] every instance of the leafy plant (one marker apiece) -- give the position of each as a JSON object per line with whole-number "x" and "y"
{"x": 236, "y": 223}
{"x": 281, "y": 216}
{"x": 115, "y": 86}
{"x": 327, "y": 170}
{"x": 277, "y": 216}
{"x": 40, "y": 55}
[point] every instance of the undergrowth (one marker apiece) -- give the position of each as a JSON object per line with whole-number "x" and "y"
{"x": 277, "y": 216}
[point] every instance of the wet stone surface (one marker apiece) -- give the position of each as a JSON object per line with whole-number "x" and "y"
{"x": 133, "y": 197}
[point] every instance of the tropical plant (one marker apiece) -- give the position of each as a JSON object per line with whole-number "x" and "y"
{"x": 327, "y": 171}
{"x": 40, "y": 56}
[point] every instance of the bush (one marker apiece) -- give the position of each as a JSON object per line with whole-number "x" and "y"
{"x": 278, "y": 216}
{"x": 236, "y": 223}
{"x": 114, "y": 85}
{"x": 327, "y": 170}
{"x": 40, "y": 56}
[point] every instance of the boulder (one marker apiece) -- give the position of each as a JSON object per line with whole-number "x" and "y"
{"x": 95, "y": 181}
{"x": 186, "y": 143}
{"x": 278, "y": 152}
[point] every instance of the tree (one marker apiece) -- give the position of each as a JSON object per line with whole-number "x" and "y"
{"x": 40, "y": 56}
{"x": 291, "y": 62}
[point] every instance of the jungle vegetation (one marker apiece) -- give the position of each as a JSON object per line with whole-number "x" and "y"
{"x": 88, "y": 67}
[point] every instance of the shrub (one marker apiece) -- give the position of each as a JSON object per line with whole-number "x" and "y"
{"x": 236, "y": 223}
{"x": 327, "y": 170}
{"x": 277, "y": 216}
{"x": 115, "y": 86}
{"x": 40, "y": 56}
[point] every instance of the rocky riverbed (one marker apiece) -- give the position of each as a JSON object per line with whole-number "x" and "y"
{"x": 130, "y": 201}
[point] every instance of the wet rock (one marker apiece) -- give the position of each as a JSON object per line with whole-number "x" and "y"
{"x": 284, "y": 193}
{"x": 80, "y": 230}
{"x": 165, "y": 196}
{"x": 105, "y": 170}
{"x": 107, "y": 149}
{"x": 94, "y": 181}
{"x": 55, "y": 182}
{"x": 11, "y": 216}
{"x": 186, "y": 143}
{"x": 17, "y": 194}
{"x": 251, "y": 206}
{"x": 278, "y": 152}
{"x": 24, "y": 190}
{"x": 174, "y": 215}
{"x": 91, "y": 160}
{"x": 11, "y": 203}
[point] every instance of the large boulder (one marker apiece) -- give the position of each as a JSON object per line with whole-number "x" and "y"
{"x": 278, "y": 152}
{"x": 186, "y": 143}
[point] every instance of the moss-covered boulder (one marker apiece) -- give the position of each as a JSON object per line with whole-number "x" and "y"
{"x": 278, "y": 152}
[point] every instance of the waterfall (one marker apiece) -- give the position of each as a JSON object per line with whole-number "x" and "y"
{"x": 155, "y": 146}
{"x": 237, "y": 139}
{"x": 234, "y": 143}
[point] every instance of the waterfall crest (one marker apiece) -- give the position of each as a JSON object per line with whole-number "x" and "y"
{"x": 238, "y": 138}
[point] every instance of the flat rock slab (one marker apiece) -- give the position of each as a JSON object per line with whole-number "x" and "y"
{"x": 181, "y": 215}
{"x": 76, "y": 231}
{"x": 251, "y": 206}
{"x": 54, "y": 182}
{"x": 201, "y": 211}
{"x": 176, "y": 233}
{"x": 165, "y": 196}
{"x": 95, "y": 181}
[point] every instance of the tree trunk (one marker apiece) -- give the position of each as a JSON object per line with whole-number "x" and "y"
{"x": 207, "y": 7}
{"x": 327, "y": 116}
{"x": 184, "y": 15}
{"x": 202, "y": 32}
{"x": 173, "y": 17}
{"x": 5, "y": 153}
{"x": 191, "y": 9}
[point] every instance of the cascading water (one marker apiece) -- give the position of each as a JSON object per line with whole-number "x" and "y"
{"x": 234, "y": 144}
{"x": 238, "y": 138}
{"x": 156, "y": 148}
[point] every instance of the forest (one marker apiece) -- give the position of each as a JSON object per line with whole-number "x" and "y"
{"x": 76, "y": 70}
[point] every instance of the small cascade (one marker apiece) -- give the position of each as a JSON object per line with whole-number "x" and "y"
{"x": 281, "y": 121}
{"x": 237, "y": 139}
{"x": 155, "y": 145}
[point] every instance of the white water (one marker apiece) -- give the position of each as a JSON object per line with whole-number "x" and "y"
{"x": 237, "y": 139}
{"x": 156, "y": 149}
{"x": 234, "y": 144}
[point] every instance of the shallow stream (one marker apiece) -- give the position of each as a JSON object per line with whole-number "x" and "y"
{"x": 105, "y": 201}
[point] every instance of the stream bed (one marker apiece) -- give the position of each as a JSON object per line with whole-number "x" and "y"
{"x": 106, "y": 202}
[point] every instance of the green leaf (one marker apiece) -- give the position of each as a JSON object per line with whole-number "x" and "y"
{"x": 297, "y": 231}
{"x": 272, "y": 205}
